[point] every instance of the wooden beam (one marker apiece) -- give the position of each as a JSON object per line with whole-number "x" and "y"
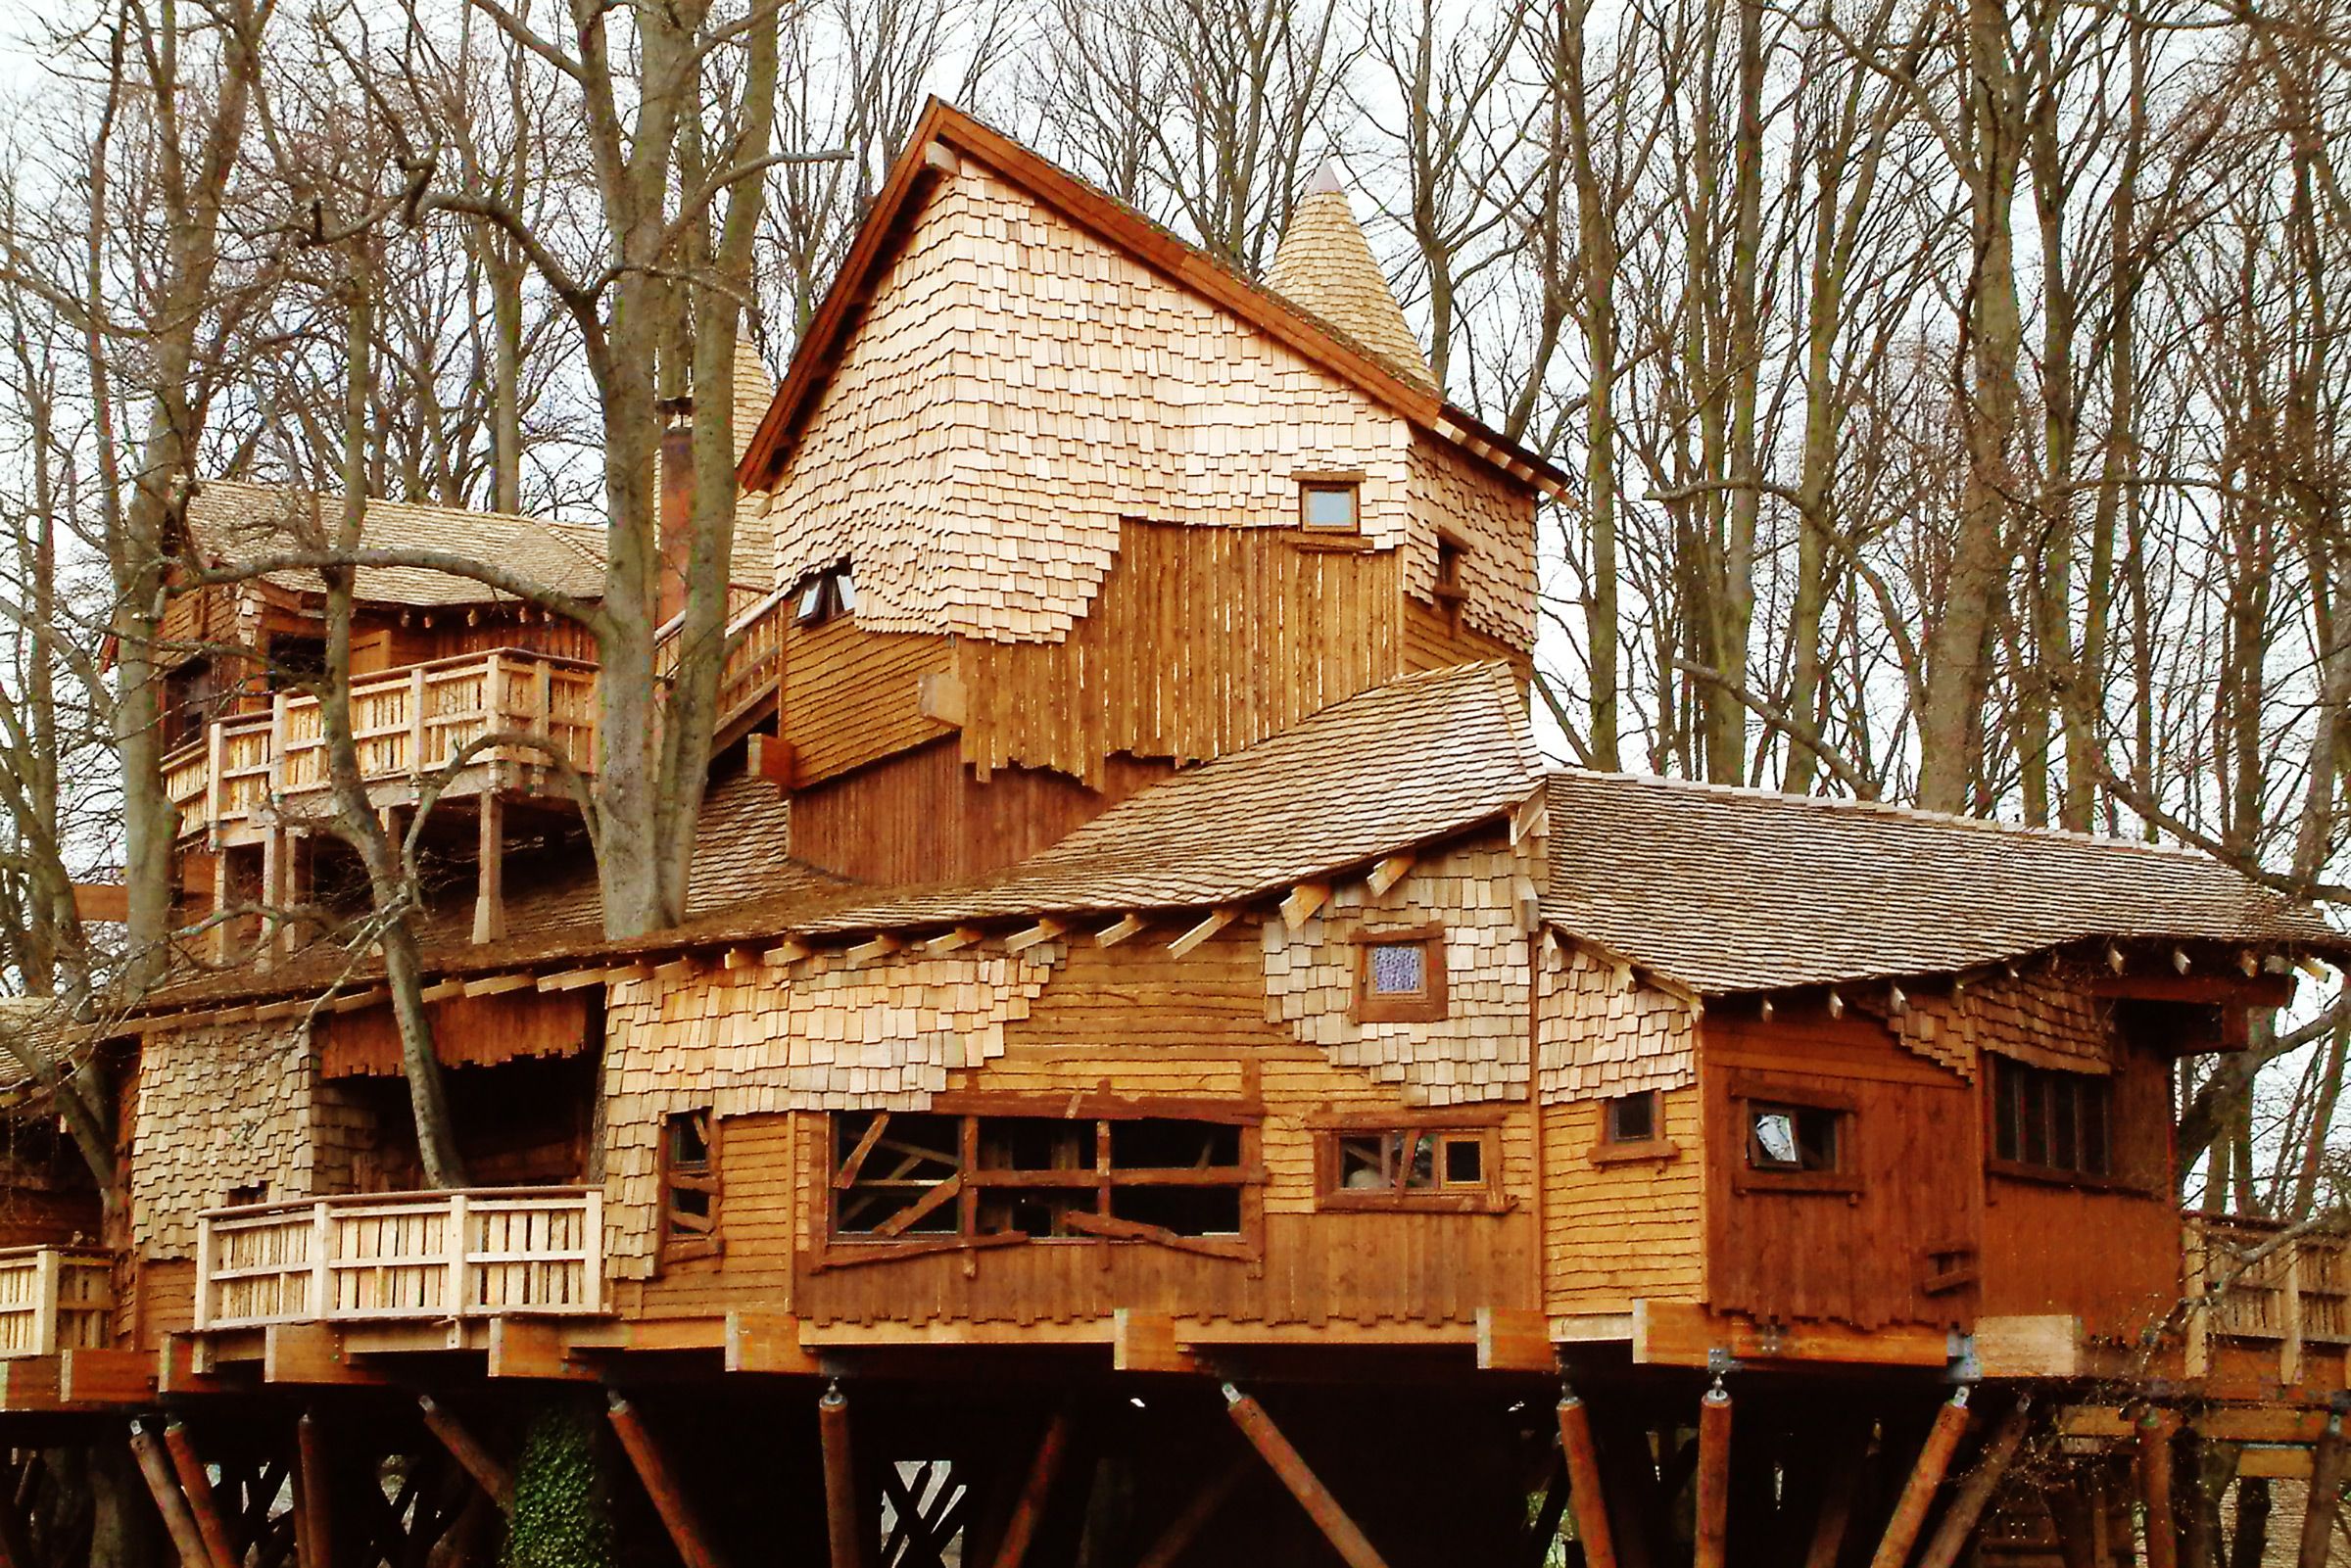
{"x": 1291, "y": 1469}
{"x": 948, "y": 942}
{"x": 1918, "y": 1493}
{"x": 678, "y": 1514}
{"x": 1584, "y": 1494}
{"x": 1028, "y": 1508}
{"x": 314, "y": 1532}
{"x": 490, "y": 869}
{"x": 310, "y": 1353}
{"x": 880, "y": 945}
{"x": 169, "y": 1501}
{"x": 766, "y": 1342}
{"x": 844, "y": 1529}
{"x": 1169, "y": 1544}
{"x": 196, "y": 1487}
{"x": 87, "y": 1376}
{"x": 1388, "y": 873}
{"x": 2154, "y": 1436}
{"x": 1145, "y": 1342}
{"x": 1117, "y": 930}
{"x": 2326, "y": 1493}
{"x": 773, "y": 760}
{"x": 573, "y": 979}
{"x": 1215, "y": 920}
{"x": 1975, "y": 1491}
{"x": 1047, "y": 928}
{"x": 524, "y": 1347}
{"x": 1513, "y": 1338}
{"x": 789, "y": 951}
{"x": 495, "y": 1479}
{"x": 1830, "y": 1525}
{"x": 499, "y": 984}
{"x": 1713, "y": 1477}
{"x": 1302, "y": 903}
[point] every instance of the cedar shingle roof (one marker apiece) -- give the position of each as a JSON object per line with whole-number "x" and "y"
{"x": 231, "y": 520}
{"x": 1726, "y": 890}
{"x": 1325, "y": 267}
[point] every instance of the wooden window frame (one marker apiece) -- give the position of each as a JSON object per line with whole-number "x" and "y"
{"x": 1454, "y": 1125}
{"x": 1612, "y": 1147}
{"x": 832, "y": 601}
{"x": 844, "y": 1249}
{"x": 1447, "y": 588}
{"x": 1348, "y": 484}
{"x": 1996, "y": 1078}
{"x": 1427, "y": 1004}
{"x": 684, "y": 1235}
{"x": 1748, "y": 1095}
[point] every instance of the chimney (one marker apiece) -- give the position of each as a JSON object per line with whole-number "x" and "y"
{"x": 674, "y": 474}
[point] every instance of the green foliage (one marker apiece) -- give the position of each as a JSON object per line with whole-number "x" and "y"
{"x": 562, "y": 1518}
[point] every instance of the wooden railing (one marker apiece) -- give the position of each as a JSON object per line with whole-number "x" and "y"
{"x": 404, "y": 722}
{"x": 754, "y": 660}
{"x": 2297, "y": 1294}
{"x": 55, "y": 1298}
{"x": 374, "y": 1258}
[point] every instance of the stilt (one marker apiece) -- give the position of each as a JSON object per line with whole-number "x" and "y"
{"x": 1584, "y": 1494}
{"x": 1918, "y": 1493}
{"x": 1546, "y": 1530}
{"x": 163, "y": 1486}
{"x": 2155, "y": 1430}
{"x": 1185, "y": 1526}
{"x": 495, "y": 1479}
{"x": 1020, "y": 1529}
{"x": 1836, "y": 1506}
{"x": 1312, "y": 1495}
{"x": 678, "y": 1514}
{"x": 2326, "y": 1493}
{"x": 842, "y": 1527}
{"x": 201, "y": 1502}
{"x": 313, "y": 1513}
{"x": 1713, "y": 1475}
{"x": 490, "y": 876}
{"x": 1975, "y": 1491}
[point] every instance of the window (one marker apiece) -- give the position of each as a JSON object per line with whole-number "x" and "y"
{"x": 1329, "y": 505}
{"x": 992, "y": 1180}
{"x": 1443, "y": 1167}
{"x": 1400, "y": 975}
{"x": 1449, "y": 590}
{"x": 1793, "y": 1139}
{"x": 295, "y": 661}
{"x": 825, "y": 596}
{"x": 2050, "y": 1123}
{"x": 191, "y": 699}
{"x": 689, "y": 1184}
{"x": 1633, "y": 1117}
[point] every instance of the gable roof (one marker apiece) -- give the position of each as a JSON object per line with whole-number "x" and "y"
{"x": 942, "y": 136}
{"x": 230, "y": 519}
{"x": 1325, "y": 266}
{"x": 1723, "y": 890}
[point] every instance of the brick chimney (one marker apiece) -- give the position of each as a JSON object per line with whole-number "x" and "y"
{"x": 674, "y": 473}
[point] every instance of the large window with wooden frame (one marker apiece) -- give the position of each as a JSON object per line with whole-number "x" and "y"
{"x": 689, "y": 1183}
{"x": 1795, "y": 1140}
{"x": 1183, "y": 1179}
{"x": 1441, "y": 1161}
{"x": 2047, "y": 1122}
{"x": 1400, "y": 975}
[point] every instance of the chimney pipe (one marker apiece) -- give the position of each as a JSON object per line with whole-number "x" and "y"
{"x": 676, "y": 535}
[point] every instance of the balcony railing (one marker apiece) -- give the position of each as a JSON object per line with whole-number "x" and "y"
{"x": 755, "y": 661}
{"x": 2300, "y": 1292}
{"x": 404, "y": 722}
{"x": 55, "y": 1298}
{"x": 385, "y": 1257}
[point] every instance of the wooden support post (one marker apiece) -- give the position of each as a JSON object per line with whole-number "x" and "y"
{"x": 494, "y": 1478}
{"x": 844, "y": 1524}
{"x": 198, "y": 1487}
{"x": 2289, "y": 1344}
{"x": 163, "y": 1486}
{"x": 490, "y": 873}
{"x": 313, "y": 1518}
{"x": 2155, "y": 1430}
{"x": 1918, "y": 1493}
{"x": 1583, "y": 1483}
{"x": 1308, "y": 1487}
{"x": 2326, "y": 1493}
{"x": 1186, "y": 1526}
{"x": 678, "y": 1514}
{"x": 1975, "y": 1491}
{"x": 1713, "y": 1476}
{"x": 1029, "y": 1510}
{"x": 1837, "y": 1505}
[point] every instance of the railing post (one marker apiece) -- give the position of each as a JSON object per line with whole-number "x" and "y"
{"x": 2289, "y": 1347}
{"x": 321, "y": 1303}
{"x": 459, "y": 1301}
{"x": 277, "y": 746}
{"x": 417, "y": 762}
{"x": 216, "y": 758}
{"x": 494, "y": 700}
{"x": 44, "y": 1300}
{"x": 595, "y": 1247}
{"x": 205, "y": 1264}
{"x": 2197, "y": 1353}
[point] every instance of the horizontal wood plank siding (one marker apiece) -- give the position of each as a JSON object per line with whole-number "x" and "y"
{"x": 1613, "y": 1232}
{"x": 851, "y": 696}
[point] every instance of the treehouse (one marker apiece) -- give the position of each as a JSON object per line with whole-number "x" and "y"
{"x": 1141, "y": 979}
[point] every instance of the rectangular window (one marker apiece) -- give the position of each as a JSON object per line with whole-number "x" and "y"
{"x": 826, "y": 596}
{"x": 1793, "y": 1138}
{"x": 1409, "y": 1168}
{"x": 1329, "y": 506}
{"x": 689, "y": 1183}
{"x": 1633, "y": 1117}
{"x": 992, "y": 1180}
{"x": 2050, "y": 1123}
{"x": 1400, "y": 975}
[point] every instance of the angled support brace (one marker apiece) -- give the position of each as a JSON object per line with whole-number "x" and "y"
{"x": 1307, "y": 1487}
{"x": 678, "y": 1514}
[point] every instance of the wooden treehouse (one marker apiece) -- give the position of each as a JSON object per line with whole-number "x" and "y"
{"x": 1151, "y": 1036}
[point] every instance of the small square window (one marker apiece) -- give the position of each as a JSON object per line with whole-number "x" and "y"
{"x": 1400, "y": 977}
{"x": 1465, "y": 1163}
{"x": 1398, "y": 968}
{"x": 1633, "y": 1117}
{"x": 1328, "y": 507}
{"x": 1792, "y": 1138}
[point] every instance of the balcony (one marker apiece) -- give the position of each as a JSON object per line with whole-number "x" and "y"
{"x": 55, "y": 1298}
{"x": 405, "y": 721}
{"x": 2295, "y": 1298}
{"x": 385, "y": 1257}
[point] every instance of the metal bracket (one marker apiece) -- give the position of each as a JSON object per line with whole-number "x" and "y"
{"x": 1964, "y": 1366}
{"x": 1721, "y": 1360}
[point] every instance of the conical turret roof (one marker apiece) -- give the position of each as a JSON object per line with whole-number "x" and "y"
{"x": 1325, "y": 266}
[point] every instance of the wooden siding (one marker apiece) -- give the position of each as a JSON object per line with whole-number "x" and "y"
{"x": 853, "y": 695}
{"x": 1201, "y": 641}
{"x": 1624, "y": 1229}
{"x": 1432, "y": 641}
{"x": 922, "y": 816}
{"x": 1492, "y": 519}
{"x": 1915, "y": 1148}
{"x": 467, "y": 1031}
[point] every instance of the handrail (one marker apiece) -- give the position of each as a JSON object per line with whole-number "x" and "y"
{"x": 362, "y": 1199}
{"x": 55, "y": 1298}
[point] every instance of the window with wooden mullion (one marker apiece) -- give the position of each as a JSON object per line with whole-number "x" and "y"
{"x": 690, "y": 1184}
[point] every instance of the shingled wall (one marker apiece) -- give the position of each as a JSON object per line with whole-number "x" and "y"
{"x": 1600, "y": 1032}
{"x": 824, "y": 1035}
{"x": 2038, "y": 1018}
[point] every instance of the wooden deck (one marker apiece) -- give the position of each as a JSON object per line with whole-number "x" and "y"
{"x": 378, "y": 1257}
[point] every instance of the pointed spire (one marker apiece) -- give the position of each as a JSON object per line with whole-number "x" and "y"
{"x": 1325, "y": 266}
